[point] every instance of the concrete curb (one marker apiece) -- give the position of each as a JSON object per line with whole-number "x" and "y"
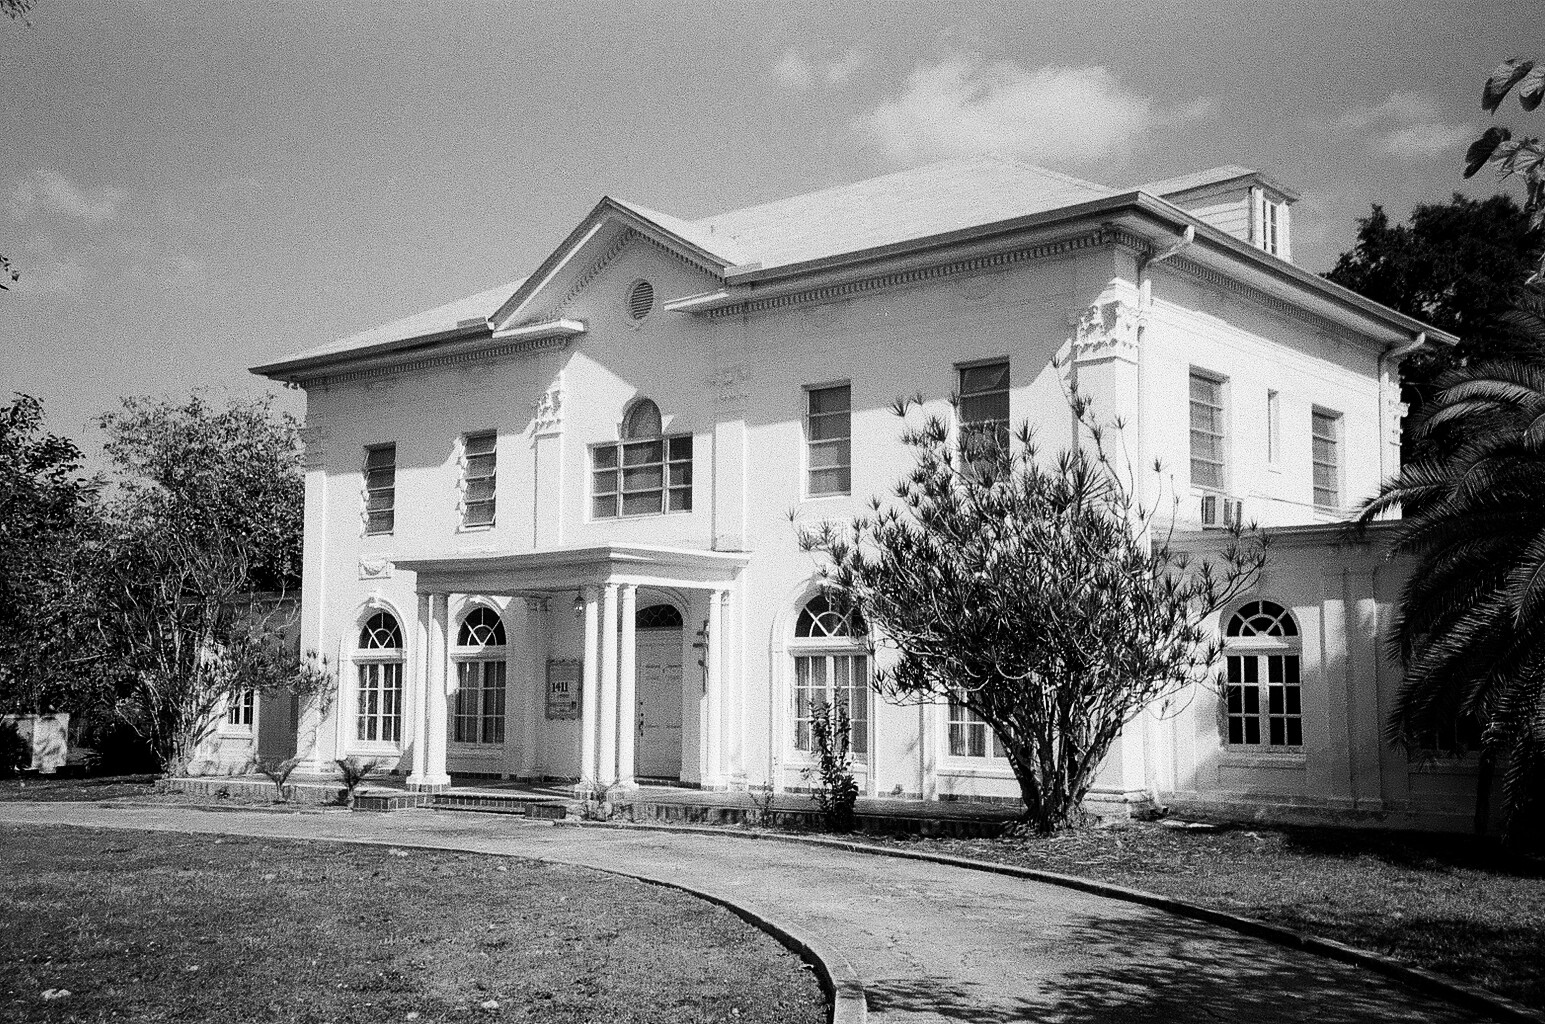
{"x": 1470, "y": 997}
{"x": 836, "y": 975}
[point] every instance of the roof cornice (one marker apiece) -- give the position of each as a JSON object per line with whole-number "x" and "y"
{"x": 1135, "y": 219}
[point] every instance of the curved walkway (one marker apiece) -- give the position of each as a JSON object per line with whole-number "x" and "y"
{"x": 929, "y": 942}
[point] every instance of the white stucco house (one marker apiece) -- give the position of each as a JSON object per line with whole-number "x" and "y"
{"x": 547, "y": 526}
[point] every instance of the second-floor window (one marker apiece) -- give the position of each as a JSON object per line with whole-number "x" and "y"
{"x": 829, "y": 440}
{"x": 1326, "y": 428}
{"x": 380, "y": 488}
{"x": 984, "y": 404}
{"x": 646, "y": 473}
{"x": 478, "y": 474}
{"x": 1207, "y": 467}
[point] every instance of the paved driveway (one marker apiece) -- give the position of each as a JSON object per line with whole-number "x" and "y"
{"x": 930, "y": 942}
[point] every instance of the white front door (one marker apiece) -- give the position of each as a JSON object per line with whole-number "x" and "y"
{"x": 658, "y": 715}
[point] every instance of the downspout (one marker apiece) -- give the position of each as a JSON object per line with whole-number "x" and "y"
{"x": 1391, "y": 356}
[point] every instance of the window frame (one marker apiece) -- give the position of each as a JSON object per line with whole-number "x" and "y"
{"x": 378, "y": 663}
{"x": 464, "y": 656}
{"x": 1220, "y": 382}
{"x": 669, "y": 493}
{"x": 468, "y": 479}
{"x": 829, "y": 649}
{"x": 962, "y": 424}
{"x": 370, "y": 491}
{"x": 240, "y": 715}
{"x": 1263, "y": 655}
{"x": 958, "y": 716}
{"x": 812, "y": 443}
{"x": 1316, "y": 414}
{"x": 1273, "y": 429}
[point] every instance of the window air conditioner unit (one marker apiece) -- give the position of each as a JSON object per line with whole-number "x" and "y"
{"x": 1219, "y": 512}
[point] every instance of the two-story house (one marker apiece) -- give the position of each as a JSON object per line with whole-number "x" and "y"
{"x": 548, "y": 526}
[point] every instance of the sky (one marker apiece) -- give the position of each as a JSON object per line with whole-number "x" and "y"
{"x": 191, "y": 189}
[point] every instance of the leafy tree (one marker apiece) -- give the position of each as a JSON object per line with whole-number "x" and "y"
{"x": 204, "y": 528}
{"x": 1471, "y": 629}
{"x": 45, "y": 517}
{"x": 1456, "y": 265}
{"x": 1038, "y": 593}
{"x": 1508, "y": 156}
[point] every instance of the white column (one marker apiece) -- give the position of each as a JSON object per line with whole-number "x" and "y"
{"x": 713, "y": 770}
{"x": 588, "y": 697}
{"x": 418, "y": 707}
{"x": 607, "y": 769}
{"x": 537, "y": 632}
{"x": 627, "y": 675}
{"x": 435, "y": 773}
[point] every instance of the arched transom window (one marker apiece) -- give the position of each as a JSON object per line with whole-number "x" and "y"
{"x": 1262, "y": 652}
{"x": 657, "y": 616}
{"x": 481, "y": 673}
{"x": 647, "y": 472}
{"x": 831, "y": 665}
{"x": 378, "y": 665}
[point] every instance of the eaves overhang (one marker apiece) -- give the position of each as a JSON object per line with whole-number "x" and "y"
{"x": 458, "y": 344}
{"x": 1134, "y": 217}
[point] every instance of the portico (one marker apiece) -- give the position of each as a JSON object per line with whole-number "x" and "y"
{"x": 601, "y": 587}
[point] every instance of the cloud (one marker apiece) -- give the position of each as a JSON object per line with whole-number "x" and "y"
{"x": 1063, "y": 115}
{"x": 50, "y": 275}
{"x": 1407, "y": 126}
{"x": 49, "y": 191}
{"x": 796, "y": 70}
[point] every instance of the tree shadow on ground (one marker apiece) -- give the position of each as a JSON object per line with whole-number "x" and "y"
{"x": 1153, "y": 968}
{"x": 1427, "y": 851}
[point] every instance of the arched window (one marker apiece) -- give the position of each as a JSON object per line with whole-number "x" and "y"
{"x": 378, "y": 662}
{"x": 1261, "y": 648}
{"x": 831, "y": 665}
{"x": 657, "y": 616}
{"x": 642, "y": 421}
{"x": 480, "y": 678}
{"x": 646, "y": 473}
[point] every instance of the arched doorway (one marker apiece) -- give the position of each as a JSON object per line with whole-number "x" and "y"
{"x": 658, "y": 643}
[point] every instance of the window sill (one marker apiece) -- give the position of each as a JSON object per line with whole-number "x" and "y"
{"x": 476, "y": 749}
{"x": 479, "y": 528}
{"x": 1445, "y": 766}
{"x": 372, "y": 747}
{"x": 235, "y": 732}
{"x": 640, "y": 515}
{"x": 827, "y": 497}
{"x": 799, "y": 761}
{"x": 1234, "y": 757}
{"x": 988, "y": 768}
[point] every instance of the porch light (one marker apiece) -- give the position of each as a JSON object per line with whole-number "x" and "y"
{"x": 579, "y": 604}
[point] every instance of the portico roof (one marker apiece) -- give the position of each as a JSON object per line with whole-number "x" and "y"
{"x": 560, "y": 569}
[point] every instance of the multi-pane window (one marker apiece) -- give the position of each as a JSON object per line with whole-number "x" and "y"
{"x": 1270, "y": 217}
{"x": 1206, "y": 432}
{"x": 1261, "y": 651}
{"x": 378, "y": 703}
{"x": 240, "y": 709}
{"x": 480, "y": 679}
{"x": 970, "y": 735}
{"x": 984, "y": 404}
{"x": 829, "y": 440}
{"x": 1326, "y": 428}
{"x": 480, "y": 462}
{"x": 380, "y": 488}
{"x": 831, "y": 666}
{"x": 643, "y": 474}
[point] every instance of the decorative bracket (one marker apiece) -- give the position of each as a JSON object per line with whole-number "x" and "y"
{"x": 1106, "y": 330}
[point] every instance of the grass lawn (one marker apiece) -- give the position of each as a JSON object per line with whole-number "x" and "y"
{"x": 65, "y": 787}
{"x": 1455, "y": 904}
{"x": 162, "y": 927}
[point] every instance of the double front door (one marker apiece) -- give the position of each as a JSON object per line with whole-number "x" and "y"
{"x": 658, "y": 715}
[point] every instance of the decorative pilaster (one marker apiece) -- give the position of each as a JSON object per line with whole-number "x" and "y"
{"x": 538, "y": 629}
{"x": 627, "y": 692}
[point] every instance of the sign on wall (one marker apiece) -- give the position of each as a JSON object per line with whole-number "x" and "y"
{"x": 563, "y": 688}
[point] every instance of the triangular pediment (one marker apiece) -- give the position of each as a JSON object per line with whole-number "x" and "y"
{"x": 610, "y": 228}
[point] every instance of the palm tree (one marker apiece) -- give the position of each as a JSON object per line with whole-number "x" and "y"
{"x": 1471, "y": 626}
